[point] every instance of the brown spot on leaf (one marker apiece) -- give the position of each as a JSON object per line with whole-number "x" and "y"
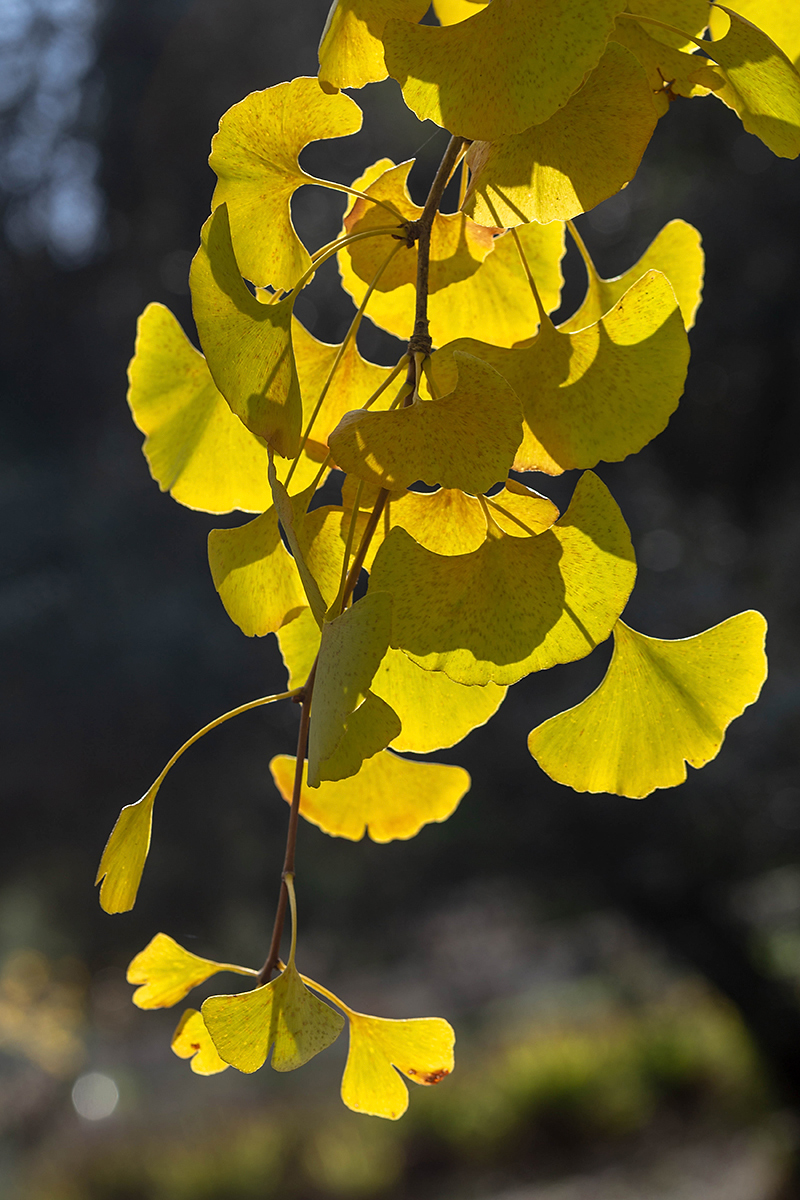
{"x": 195, "y": 1045}
{"x": 433, "y": 1076}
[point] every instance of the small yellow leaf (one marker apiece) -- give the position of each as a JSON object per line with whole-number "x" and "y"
{"x": 584, "y": 153}
{"x": 351, "y": 49}
{"x": 366, "y": 731}
{"x": 247, "y": 344}
{"x": 167, "y": 972}
{"x": 283, "y": 1014}
{"x": 509, "y": 67}
{"x": 350, "y": 652}
{"x": 254, "y": 155}
{"x": 390, "y": 797}
{"x": 421, "y": 1048}
{"x": 192, "y": 1040}
{"x": 676, "y": 252}
{"x": 466, "y": 440}
{"x": 516, "y": 605}
{"x": 599, "y": 394}
{"x": 125, "y": 854}
{"x": 662, "y": 704}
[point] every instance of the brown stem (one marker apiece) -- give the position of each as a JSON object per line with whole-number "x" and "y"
{"x": 420, "y": 339}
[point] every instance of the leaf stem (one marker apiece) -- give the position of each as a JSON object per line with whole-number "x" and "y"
{"x": 423, "y": 227}
{"x": 338, "y": 604}
{"x": 334, "y": 247}
{"x": 543, "y": 317}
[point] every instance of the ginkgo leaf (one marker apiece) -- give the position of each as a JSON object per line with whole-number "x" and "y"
{"x": 434, "y": 712}
{"x": 196, "y": 448}
{"x": 282, "y": 1014}
{"x": 481, "y": 289}
{"x": 422, "y": 1048}
{"x": 450, "y": 12}
{"x": 192, "y": 1040}
{"x": 370, "y": 728}
{"x": 294, "y": 517}
{"x": 167, "y": 972}
{"x": 255, "y": 575}
{"x": 247, "y": 344}
{"x": 511, "y": 66}
{"x": 761, "y": 84}
{"x": 670, "y": 72}
{"x": 125, "y": 854}
{"x": 254, "y": 155}
{"x": 516, "y": 605}
{"x": 466, "y": 440}
{"x": 390, "y": 797}
{"x": 351, "y": 649}
{"x": 351, "y": 48}
{"x": 691, "y": 16}
{"x": 676, "y": 251}
{"x": 779, "y": 20}
{"x": 661, "y": 705}
{"x": 584, "y": 153}
{"x": 299, "y": 644}
{"x": 596, "y": 395}
{"x": 353, "y": 383}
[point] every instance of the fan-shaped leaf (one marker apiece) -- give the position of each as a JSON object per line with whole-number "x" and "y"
{"x": 351, "y": 49}
{"x": 662, "y": 704}
{"x": 670, "y": 72}
{"x": 167, "y": 972}
{"x": 192, "y": 1040}
{"x": 779, "y": 20}
{"x": 421, "y": 1048}
{"x": 125, "y": 854}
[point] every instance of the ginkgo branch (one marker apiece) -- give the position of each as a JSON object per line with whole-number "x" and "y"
{"x": 422, "y": 229}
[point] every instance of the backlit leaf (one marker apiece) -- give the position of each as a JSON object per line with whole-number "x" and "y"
{"x": 516, "y": 605}
{"x": 367, "y": 730}
{"x": 351, "y": 49}
{"x": 450, "y": 12}
{"x": 691, "y": 16}
{"x": 677, "y": 252}
{"x": 351, "y": 649}
{"x": 247, "y": 344}
{"x": 596, "y": 395}
{"x": 670, "y": 72}
{"x": 282, "y": 1014}
{"x": 167, "y": 972}
{"x": 390, "y": 797}
{"x": 509, "y": 67}
{"x": 292, "y": 511}
{"x": 584, "y": 153}
{"x": 465, "y": 440}
{"x": 761, "y": 84}
{"x": 662, "y": 704}
{"x": 125, "y": 854}
{"x": 421, "y": 1048}
{"x": 192, "y": 1040}
{"x": 254, "y": 155}
{"x": 299, "y": 643}
{"x": 778, "y": 19}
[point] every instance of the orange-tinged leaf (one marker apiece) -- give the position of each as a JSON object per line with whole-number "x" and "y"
{"x": 125, "y": 854}
{"x": 351, "y": 649}
{"x": 192, "y": 1040}
{"x": 599, "y": 394}
{"x": 676, "y": 251}
{"x": 466, "y": 440}
{"x": 247, "y": 344}
{"x": 282, "y": 1014}
{"x": 422, "y": 1048}
{"x": 167, "y": 972}
{"x": 584, "y": 153}
{"x": 254, "y": 155}
{"x": 351, "y": 48}
{"x": 516, "y": 605}
{"x": 661, "y": 705}
{"x": 511, "y": 66}
{"x": 390, "y": 797}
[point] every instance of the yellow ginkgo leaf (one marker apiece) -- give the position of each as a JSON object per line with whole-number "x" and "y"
{"x": 125, "y": 854}
{"x": 516, "y": 605}
{"x": 676, "y": 252}
{"x": 254, "y": 155}
{"x": 584, "y": 153}
{"x": 282, "y": 1014}
{"x": 351, "y": 649}
{"x": 509, "y": 67}
{"x": 192, "y": 1040}
{"x": 450, "y": 12}
{"x": 390, "y": 797}
{"x": 167, "y": 972}
{"x": 351, "y": 48}
{"x": 690, "y": 16}
{"x": 762, "y": 84}
{"x": 293, "y": 514}
{"x": 596, "y": 395}
{"x": 670, "y": 72}
{"x": 661, "y": 705}
{"x": 465, "y": 440}
{"x": 422, "y": 1048}
{"x": 366, "y": 731}
{"x": 778, "y": 19}
{"x": 299, "y": 644}
{"x": 480, "y": 287}
{"x": 247, "y": 344}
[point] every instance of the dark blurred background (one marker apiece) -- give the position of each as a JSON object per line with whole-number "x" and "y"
{"x": 622, "y": 975}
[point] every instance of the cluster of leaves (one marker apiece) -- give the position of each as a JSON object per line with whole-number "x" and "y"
{"x": 481, "y": 581}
